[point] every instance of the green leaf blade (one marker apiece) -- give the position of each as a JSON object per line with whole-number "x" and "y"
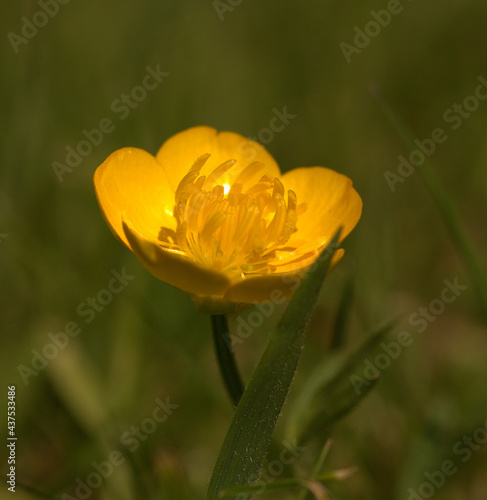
{"x": 249, "y": 436}
{"x": 330, "y": 392}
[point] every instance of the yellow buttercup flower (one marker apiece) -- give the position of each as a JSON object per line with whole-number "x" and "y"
{"x": 212, "y": 215}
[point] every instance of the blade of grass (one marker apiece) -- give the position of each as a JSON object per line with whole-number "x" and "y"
{"x": 249, "y": 436}
{"x": 301, "y": 483}
{"x": 444, "y": 202}
{"x": 303, "y": 494}
{"x": 329, "y": 393}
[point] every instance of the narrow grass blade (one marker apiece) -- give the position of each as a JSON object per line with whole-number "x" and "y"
{"x": 445, "y": 204}
{"x": 294, "y": 483}
{"x": 333, "y": 390}
{"x": 249, "y": 436}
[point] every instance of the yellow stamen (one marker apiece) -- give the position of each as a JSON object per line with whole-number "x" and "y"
{"x": 260, "y": 186}
{"x": 231, "y": 228}
{"x": 248, "y": 221}
{"x": 248, "y": 172}
{"x": 184, "y": 190}
{"x": 277, "y": 225}
{"x": 219, "y": 171}
{"x": 200, "y": 161}
{"x": 278, "y": 188}
{"x": 211, "y": 226}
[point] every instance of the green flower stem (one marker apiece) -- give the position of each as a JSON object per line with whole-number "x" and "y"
{"x": 247, "y": 441}
{"x": 303, "y": 494}
{"x": 445, "y": 204}
{"x": 226, "y": 359}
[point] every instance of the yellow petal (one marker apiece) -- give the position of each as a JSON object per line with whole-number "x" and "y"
{"x": 133, "y": 182}
{"x": 179, "y": 152}
{"x": 263, "y": 288}
{"x": 306, "y": 261}
{"x": 174, "y": 267}
{"x": 273, "y": 287}
{"x": 331, "y": 202}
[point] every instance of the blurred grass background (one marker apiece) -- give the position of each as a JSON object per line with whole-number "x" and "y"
{"x": 149, "y": 342}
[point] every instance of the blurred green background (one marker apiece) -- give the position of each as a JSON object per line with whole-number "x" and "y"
{"x": 230, "y": 65}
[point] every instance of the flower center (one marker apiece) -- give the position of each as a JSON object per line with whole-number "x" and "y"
{"x": 232, "y": 225}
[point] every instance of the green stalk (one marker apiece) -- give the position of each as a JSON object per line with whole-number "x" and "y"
{"x": 226, "y": 358}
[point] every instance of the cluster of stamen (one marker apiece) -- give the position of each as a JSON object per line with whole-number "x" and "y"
{"x": 231, "y": 227}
